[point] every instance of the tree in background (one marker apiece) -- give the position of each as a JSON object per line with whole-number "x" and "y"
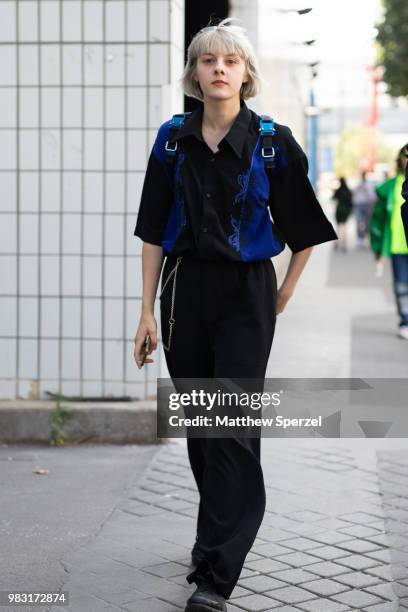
{"x": 393, "y": 40}
{"x": 351, "y": 151}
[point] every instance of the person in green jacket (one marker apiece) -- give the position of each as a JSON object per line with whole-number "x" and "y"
{"x": 404, "y": 207}
{"x": 387, "y": 237}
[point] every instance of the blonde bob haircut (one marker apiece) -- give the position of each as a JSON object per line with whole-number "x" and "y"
{"x": 217, "y": 38}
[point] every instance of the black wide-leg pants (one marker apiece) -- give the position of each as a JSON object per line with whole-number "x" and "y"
{"x": 224, "y": 323}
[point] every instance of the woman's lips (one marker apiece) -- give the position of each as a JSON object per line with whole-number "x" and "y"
{"x": 219, "y": 83}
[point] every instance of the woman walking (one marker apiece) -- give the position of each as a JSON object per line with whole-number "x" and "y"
{"x": 211, "y": 185}
{"x": 344, "y": 204}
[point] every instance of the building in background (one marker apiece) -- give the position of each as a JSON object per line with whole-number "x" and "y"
{"x": 83, "y": 87}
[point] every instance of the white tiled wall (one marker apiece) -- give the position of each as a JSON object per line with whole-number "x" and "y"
{"x": 83, "y": 88}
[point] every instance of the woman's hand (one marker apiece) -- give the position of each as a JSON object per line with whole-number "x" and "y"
{"x": 147, "y": 327}
{"x": 282, "y": 299}
{"x": 297, "y": 262}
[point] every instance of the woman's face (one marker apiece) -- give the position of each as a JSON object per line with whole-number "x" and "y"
{"x": 220, "y": 75}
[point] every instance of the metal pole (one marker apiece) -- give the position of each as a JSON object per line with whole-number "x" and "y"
{"x": 312, "y": 139}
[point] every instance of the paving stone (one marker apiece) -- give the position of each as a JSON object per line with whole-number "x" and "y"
{"x": 305, "y": 516}
{"x": 361, "y": 518}
{"x": 247, "y": 573}
{"x": 256, "y": 603}
{"x": 400, "y": 589}
{"x": 384, "y": 572}
{"x": 325, "y": 587}
{"x": 359, "y": 531}
{"x": 384, "y": 590}
{"x": 291, "y": 594}
{"x": 159, "y": 587}
{"x": 272, "y": 533}
{"x": 297, "y": 559}
{"x": 326, "y": 569}
{"x": 357, "y": 598}
{"x": 333, "y": 523}
{"x": 286, "y": 609}
{"x": 181, "y": 580}
{"x": 240, "y": 591}
{"x": 151, "y": 605}
{"x": 80, "y": 600}
{"x": 324, "y": 605}
{"x": 269, "y": 549}
{"x": 300, "y": 544}
{"x": 384, "y": 607}
{"x": 329, "y": 553}
{"x": 312, "y": 529}
{"x": 165, "y": 570}
{"x": 359, "y": 546}
{"x": 294, "y": 576}
{"x": 232, "y": 607}
{"x": 358, "y": 579}
{"x": 252, "y": 556}
{"x": 383, "y": 555}
{"x": 330, "y": 537}
{"x": 267, "y": 565}
{"x": 358, "y": 562}
{"x": 260, "y": 584}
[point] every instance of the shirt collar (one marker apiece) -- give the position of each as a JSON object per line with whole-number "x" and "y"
{"x": 236, "y": 136}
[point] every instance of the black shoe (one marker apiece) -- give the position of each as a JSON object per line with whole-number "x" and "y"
{"x": 205, "y": 599}
{"x": 196, "y": 556}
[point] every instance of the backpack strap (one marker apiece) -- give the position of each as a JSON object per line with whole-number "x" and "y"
{"x": 176, "y": 122}
{"x": 267, "y": 130}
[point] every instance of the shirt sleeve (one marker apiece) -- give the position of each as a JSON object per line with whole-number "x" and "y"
{"x": 156, "y": 198}
{"x": 293, "y": 204}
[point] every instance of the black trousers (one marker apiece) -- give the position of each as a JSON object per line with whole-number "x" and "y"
{"x": 224, "y": 323}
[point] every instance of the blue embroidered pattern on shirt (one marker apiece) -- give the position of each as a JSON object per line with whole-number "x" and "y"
{"x": 181, "y": 219}
{"x": 243, "y": 181}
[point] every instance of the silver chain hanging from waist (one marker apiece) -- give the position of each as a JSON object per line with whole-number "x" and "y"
{"x": 173, "y": 296}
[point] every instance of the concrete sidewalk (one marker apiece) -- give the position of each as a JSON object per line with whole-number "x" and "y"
{"x": 335, "y": 532}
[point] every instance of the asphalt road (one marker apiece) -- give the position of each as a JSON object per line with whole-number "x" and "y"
{"x": 42, "y": 517}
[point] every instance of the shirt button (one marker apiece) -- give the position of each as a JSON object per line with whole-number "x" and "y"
{"x": 208, "y": 195}
{"x": 205, "y": 229}
{"x": 212, "y": 159}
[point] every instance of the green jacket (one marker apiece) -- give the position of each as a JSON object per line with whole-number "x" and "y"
{"x": 380, "y": 224}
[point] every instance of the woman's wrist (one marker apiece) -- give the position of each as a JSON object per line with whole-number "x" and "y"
{"x": 147, "y": 310}
{"x": 287, "y": 288}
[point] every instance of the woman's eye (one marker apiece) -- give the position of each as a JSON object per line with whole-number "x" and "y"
{"x": 230, "y": 61}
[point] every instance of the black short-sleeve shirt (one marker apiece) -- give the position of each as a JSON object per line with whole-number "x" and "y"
{"x": 226, "y": 205}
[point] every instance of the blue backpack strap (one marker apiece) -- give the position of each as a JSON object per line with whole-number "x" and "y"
{"x": 175, "y": 123}
{"x": 267, "y": 130}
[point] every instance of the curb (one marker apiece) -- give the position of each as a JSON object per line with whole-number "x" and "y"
{"x": 41, "y": 421}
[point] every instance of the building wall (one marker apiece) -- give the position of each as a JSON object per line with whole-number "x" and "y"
{"x": 84, "y": 85}
{"x": 285, "y": 87}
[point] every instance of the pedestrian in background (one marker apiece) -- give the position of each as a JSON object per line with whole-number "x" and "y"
{"x": 364, "y": 198}
{"x": 343, "y": 198}
{"x": 211, "y": 215}
{"x": 388, "y": 238}
{"x": 404, "y": 207}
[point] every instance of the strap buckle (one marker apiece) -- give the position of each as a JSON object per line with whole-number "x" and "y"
{"x": 268, "y": 155}
{"x": 169, "y": 149}
{"x": 266, "y": 126}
